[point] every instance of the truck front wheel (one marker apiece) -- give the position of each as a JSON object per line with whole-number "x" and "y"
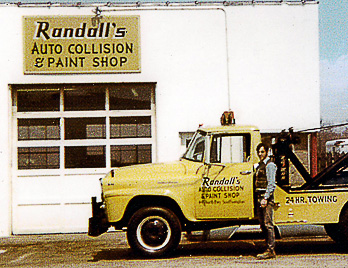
{"x": 154, "y": 231}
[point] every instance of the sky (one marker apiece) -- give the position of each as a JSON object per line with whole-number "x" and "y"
{"x": 333, "y": 36}
{"x": 333, "y": 40}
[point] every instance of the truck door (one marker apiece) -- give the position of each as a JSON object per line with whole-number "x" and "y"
{"x": 226, "y": 188}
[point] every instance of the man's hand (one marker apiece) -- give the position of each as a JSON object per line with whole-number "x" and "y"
{"x": 264, "y": 203}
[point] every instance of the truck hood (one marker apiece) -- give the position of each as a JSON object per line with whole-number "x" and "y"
{"x": 149, "y": 175}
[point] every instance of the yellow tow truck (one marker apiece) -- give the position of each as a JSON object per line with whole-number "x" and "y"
{"x": 211, "y": 187}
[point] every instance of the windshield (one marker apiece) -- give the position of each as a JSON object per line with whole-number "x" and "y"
{"x": 195, "y": 151}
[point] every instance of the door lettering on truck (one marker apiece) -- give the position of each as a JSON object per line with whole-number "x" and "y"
{"x": 311, "y": 199}
{"x": 322, "y": 199}
{"x": 222, "y": 188}
{"x": 225, "y": 193}
{"x": 210, "y": 182}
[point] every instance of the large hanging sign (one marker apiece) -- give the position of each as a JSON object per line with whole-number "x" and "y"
{"x": 73, "y": 44}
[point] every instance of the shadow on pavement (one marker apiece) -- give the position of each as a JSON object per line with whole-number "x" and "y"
{"x": 232, "y": 248}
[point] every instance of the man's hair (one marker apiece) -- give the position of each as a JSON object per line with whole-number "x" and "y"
{"x": 262, "y": 145}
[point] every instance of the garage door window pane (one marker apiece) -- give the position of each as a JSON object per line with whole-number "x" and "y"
{"x": 85, "y": 157}
{"x": 38, "y": 129}
{"x": 84, "y": 99}
{"x": 144, "y": 154}
{"x": 130, "y": 127}
{"x": 124, "y": 155}
{"x": 38, "y": 157}
{"x": 84, "y": 128}
{"x": 37, "y": 101}
{"x": 130, "y": 97}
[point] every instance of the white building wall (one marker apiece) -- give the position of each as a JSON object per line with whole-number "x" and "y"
{"x": 267, "y": 53}
{"x": 274, "y": 66}
{"x": 7, "y": 66}
{"x": 5, "y": 156}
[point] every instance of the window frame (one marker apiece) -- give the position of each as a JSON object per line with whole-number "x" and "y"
{"x": 63, "y": 115}
{"x": 246, "y": 143}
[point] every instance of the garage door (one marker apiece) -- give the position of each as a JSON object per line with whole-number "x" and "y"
{"x": 65, "y": 138}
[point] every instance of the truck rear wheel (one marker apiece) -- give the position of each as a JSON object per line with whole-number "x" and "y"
{"x": 339, "y": 231}
{"x": 343, "y": 227}
{"x": 332, "y": 230}
{"x": 154, "y": 231}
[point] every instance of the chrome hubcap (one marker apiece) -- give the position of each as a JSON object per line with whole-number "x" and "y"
{"x": 153, "y": 233}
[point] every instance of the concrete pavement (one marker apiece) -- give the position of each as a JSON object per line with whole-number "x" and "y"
{"x": 111, "y": 250}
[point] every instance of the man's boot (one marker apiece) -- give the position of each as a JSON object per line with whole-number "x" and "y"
{"x": 268, "y": 254}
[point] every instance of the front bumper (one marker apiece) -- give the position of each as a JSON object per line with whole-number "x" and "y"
{"x": 98, "y": 223}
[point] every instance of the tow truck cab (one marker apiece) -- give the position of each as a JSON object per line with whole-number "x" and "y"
{"x": 213, "y": 179}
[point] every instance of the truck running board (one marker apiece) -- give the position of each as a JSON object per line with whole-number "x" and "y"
{"x": 230, "y": 233}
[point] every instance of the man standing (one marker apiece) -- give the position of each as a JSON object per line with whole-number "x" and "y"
{"x": 265, "y": 185}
